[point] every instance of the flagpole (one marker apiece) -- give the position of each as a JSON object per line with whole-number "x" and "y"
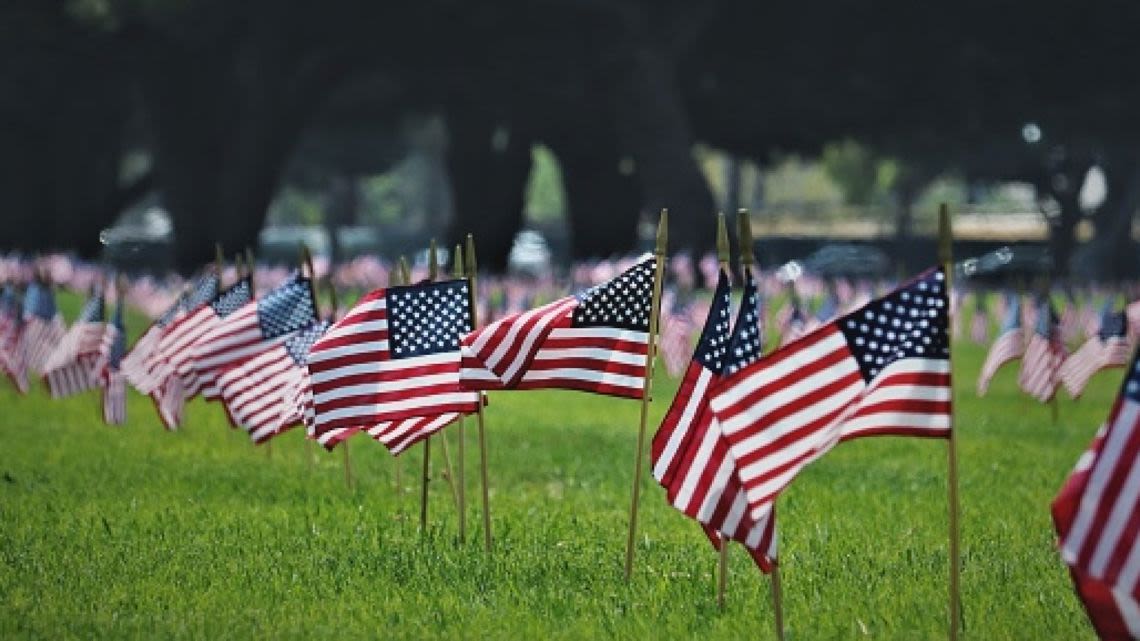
{"x": 724, "y": 255}
{"x": 650, "y": 354}
{"x": 946, "y": 256}
{"x": 471, "y": 280}
{"x": 461, "y": 483}
{"x": 777, "y": 601}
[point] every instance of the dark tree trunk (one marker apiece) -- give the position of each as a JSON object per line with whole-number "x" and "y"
{"x": 489, "y": 172}
{"x": 223, "y": 120}
{"x": 654, "y": 128}
{"x": 1063, "y": 182}
{"x": 602, "y": 201}
{"x": 906, "y": 192}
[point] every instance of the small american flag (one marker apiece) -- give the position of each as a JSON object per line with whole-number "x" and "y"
{"x": 1108, "y": 348}
{"x": 111, "y": 356}
{"x": 394, "y": 356}
{"x": 173, "y": 356}
{"x": 12, "y": 360}
{"x": 881, "y": 370}
{"x": 43, "y": 326}
{"x": 1009, "y": 345}
{"x": 142, "y": 365}
{"x": 256, "y": 327}
{"x": 256, "y": 393}
{"x": 980, "y": 323}
{"x": 1043, "y": 355}
{"x": 677, "y": 329}
{"x": 690, "y": 456}
{"x": 71, "y": 368}
{"x": 1096, "y": 515}
{"x": 596, "y": 341}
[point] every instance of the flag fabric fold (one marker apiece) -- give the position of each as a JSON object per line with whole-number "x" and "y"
{"x": 108, "y": 368}
{"x": 1096, "y": 516}
{"x": 258, "y": 394}
{"x": 597, "y": 341}
{"x": 881, "y": 370}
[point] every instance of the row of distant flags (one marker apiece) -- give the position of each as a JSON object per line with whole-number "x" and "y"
{"x": 411, "y": 358}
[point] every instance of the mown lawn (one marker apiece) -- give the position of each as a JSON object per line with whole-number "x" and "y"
{"x": 134, "y": 532}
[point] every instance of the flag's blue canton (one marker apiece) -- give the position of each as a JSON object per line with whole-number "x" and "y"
{"x": 910, "y": 322}
{"x": 747, "y": 340}
{"x": 298, "y": 346}
{"x": 1112, "y": 325}
{"x": 287, "y": 308}
{"x": 428, "y": 318}
{"x": 39, "y": 301}
{"x": 1046, "y": 318}
{"x": 1012, "y": 313}
{"x": 92, "y": 311}
{"x": 203, "y": 291}
{"x": 119, "y": 345}
{"x": 623, "y": 302}
{"x": 1132, "y": 382}
{"x": 712, "y": 348}
{"x": 233, "y": 298}
{"x": 10, "y": 301}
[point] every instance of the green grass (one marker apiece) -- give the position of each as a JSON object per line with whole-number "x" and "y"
{"x": 137, "y": 533}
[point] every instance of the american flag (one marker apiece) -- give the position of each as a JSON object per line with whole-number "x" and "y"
{"x": 173, "y": 379}
{"x": 1043, "y": 355}
{"x": 394, "y": 356}
{"x": 109, "y": 367}
{"x": 12, "y": 360}
{"x": 1009, "y": 345}
{"x": 690, "y": 456}
{"x": 1096, "y": 515}
{"x": 596, "y": 341}
{"x": 257, "y": 393}
{"x": 1108, "y": 348}
{"x": 1070, "y": 323}
{"x": 980, "y": 323}
{"x": 43, "y": 326}
{"x": 256, "y": 327}
{"x": 881, "y": 370}
{"x": 143, "y": 364}
{"x": 71, "y": 369}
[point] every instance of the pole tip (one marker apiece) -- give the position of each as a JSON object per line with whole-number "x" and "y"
{"x": 457, "y": 261}
{"x": 744, "y": 234}
{"x": 433, "y": 260}
{"x": 722, "y": 252}
{"x": 469, "y": 255}
{"x": 945, "y": 235}
{"x": 662, "y": 232}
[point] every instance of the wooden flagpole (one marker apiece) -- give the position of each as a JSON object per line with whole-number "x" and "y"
{"x": 946, "y": 257}
{"x": 723, "y": 257}
{"x": 650, "y": 355}
{"x": 469, "y": 257}
{"x": 448, "y": 473}
{"x": 747, "y": 260}
{"x": 461, "y": 482}
{"x": 219, "y": 262}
